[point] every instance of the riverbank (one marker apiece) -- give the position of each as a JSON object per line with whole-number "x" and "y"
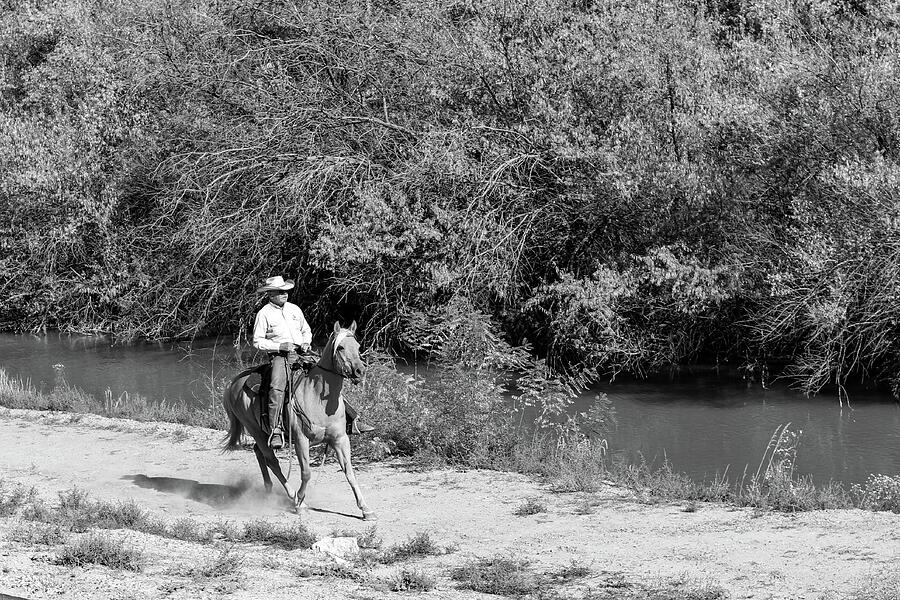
{"x": 607, "y": 543}
{"x": 414, "y": 423}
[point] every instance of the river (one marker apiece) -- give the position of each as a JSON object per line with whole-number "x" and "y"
{"x": 701, "y": 423}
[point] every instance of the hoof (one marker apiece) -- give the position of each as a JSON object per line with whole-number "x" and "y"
{"x": 370, "y": 515}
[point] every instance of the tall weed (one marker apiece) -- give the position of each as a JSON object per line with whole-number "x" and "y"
{"x": 880, "y": 492}
{"x": 15, "y": 393}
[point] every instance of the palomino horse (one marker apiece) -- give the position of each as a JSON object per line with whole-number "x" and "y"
{"x": 317, "y": 415}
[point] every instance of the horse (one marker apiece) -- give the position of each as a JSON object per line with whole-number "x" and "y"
{"x": 317, "y": 415}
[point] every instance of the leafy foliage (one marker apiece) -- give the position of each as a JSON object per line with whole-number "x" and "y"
{"x": 483, "y": 403}
{"x": 627, "y": 186}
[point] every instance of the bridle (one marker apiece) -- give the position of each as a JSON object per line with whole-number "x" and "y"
{"x": 336, "y": 340}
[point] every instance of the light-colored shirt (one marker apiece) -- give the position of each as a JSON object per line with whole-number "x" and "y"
{"x": 275, "y": 325}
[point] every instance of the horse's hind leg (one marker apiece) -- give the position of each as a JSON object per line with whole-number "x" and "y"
{"x": 302, "y": 446}
{"x": 267, "y": 457}
{"x": 342, "y": 450}
{"x": 267, "y": 481}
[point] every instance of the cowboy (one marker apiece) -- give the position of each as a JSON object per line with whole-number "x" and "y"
{"x": 281, "y": 330}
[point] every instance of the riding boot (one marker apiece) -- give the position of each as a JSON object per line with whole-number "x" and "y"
{"x": 276, "y": 438}
{"x": 354, "y": 425}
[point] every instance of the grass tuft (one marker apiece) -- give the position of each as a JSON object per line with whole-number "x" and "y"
{"x": 685, "y": 588}
{"x": 74, "y": 501}
{"x": 100, "y": 549}
{"x": 228, "y": 530}
{"x": 13, "y": 499}
{"x": 412, "y": 580}
{"x": 36, "y": 509}
{"x": 499, "y": 576}
{"x": 78, "y": 512}
{"x": 290, "y": 537}
{"x": 586, "y": 505}
{"x": 43, "y": 534}
{"x": 225, "y": 564}
{"x": 417, "y": 546}
{"x": 570, "y": 573}
{"x": 188, "y": 530}
{"x": 532, "y": 506}
{"x": 123, "y": 515}
{"x": 614, "y": 585}
{"x": 332, "y": 569}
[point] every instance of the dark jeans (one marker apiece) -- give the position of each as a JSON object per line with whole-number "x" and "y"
{"x": 281, "y": 370}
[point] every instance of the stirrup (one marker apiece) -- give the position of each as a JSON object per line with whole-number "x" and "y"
{"x": 276, "y": 439}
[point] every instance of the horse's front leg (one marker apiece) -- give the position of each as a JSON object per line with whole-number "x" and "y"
{"x": 342, "y": 450}
{"x": 302, "y": 448}
{"x": 267, "y": 481}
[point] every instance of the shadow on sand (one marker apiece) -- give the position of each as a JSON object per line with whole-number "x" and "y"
{"x": 218, "y": 495}
{"x": 335, "y": 512}
{"x": 209, "y": 493}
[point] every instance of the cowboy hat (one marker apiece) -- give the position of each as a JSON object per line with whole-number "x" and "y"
{"x": 276, "y": 283}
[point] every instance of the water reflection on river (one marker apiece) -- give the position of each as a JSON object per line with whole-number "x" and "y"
{"x": 175, "y": 372}
{"x": 702, "y": 423}
{"x": 705, "y": 424}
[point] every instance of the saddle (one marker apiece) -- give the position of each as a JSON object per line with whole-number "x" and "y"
{"x": 259, "y": 380}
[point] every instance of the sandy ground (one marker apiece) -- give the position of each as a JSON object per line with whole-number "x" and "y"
{"x": 749, "y": 554}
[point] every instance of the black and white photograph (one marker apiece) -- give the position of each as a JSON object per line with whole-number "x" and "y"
{"x": 450, "y": 299}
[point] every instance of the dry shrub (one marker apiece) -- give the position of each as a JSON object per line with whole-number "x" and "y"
{"x": 101, "y": 549}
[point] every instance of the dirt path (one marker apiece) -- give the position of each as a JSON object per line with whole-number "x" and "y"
{"x": 748, "y": 554}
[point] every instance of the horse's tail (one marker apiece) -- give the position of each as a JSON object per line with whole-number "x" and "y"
{"x": 235, "y": 427}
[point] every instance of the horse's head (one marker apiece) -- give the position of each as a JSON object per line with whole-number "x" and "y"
{"x": 345, "y": 353}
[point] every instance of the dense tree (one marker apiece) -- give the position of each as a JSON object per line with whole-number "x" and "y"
{"x": 626, "y": 185}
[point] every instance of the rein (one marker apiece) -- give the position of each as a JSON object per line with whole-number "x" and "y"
{"x": 331, "y": 371}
